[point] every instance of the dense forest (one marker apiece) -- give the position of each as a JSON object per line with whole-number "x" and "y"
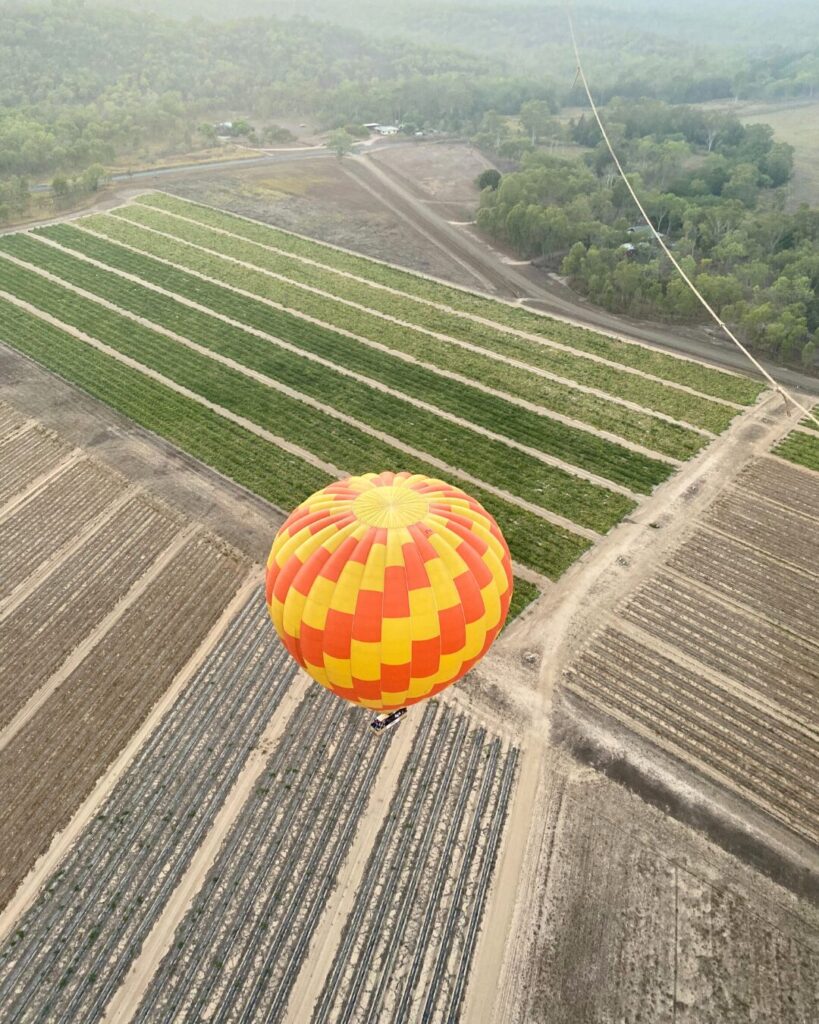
{"x": 712, "y": 186}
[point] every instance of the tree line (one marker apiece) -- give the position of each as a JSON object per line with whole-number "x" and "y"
{"x": 716, "y": 190}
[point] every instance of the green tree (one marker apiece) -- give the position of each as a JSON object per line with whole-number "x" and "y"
{"x": 490, "y": 178}
{"x": 340, "y": 142}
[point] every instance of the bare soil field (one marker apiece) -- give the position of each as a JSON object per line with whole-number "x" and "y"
{"x": 442, "y": 175}
{"x": 319, "y": 199}
{"x": 25, "y": 455}
{"x": 632, "y": 916}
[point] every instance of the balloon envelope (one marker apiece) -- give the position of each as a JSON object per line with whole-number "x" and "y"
{"x": 388, "y": 588}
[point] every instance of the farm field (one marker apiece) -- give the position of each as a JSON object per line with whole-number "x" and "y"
{"x": 284, "y": 362}
{"x": 801, "y": 447}
{"x": 740, "y": 712}
{"x": 96, "y": 911}
{"x": 636, "y": 917}
{"x": 407, "y": 946}
{"x": 69, "y": 697}
{"x": 258, "y": 854}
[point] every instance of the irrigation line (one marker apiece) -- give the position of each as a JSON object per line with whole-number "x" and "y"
{"x": 581, "y": 74}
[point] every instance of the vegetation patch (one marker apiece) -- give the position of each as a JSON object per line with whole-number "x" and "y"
{"x": 800, "y": 448}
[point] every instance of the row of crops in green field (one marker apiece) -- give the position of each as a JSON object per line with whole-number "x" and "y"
{"x": 534, "y": 542}
{"x": 702, "y": 378}
{"x": 638, "y": 427}
{"x": 261, "y": 467}
{"x": 808, "y": 422}
{"x": 800, "y": 447}
{"x": 548, "y": 487}
{"x": 595, "y": 454}
{"x": 185, "y": 249}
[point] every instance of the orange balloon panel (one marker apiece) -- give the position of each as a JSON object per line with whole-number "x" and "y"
{"x": 388, "y": 588}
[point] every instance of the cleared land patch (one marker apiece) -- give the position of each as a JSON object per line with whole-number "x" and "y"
{"x": 282, "y": 362}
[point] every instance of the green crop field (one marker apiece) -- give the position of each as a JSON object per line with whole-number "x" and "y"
{"x": 799, "y": 447}
{"x": 282, "y": 362}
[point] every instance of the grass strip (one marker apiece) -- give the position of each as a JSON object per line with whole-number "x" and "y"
{"x": 546, "y": 486}
{"x": 598, "y": 455}
{"x": 540, "y": 545}
{"x": 574, "y": 367}
{"x": 639, "y": 427}
{"x": 800, "y": 448}
{"x": 704, "y": 379}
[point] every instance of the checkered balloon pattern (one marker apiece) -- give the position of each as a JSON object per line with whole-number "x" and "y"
{"x": 387, "y": 588}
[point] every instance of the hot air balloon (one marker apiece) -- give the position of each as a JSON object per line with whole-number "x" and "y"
{"x": 388, "y": 588}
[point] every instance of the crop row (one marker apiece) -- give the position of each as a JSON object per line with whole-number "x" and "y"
{"x": 516, "y": 381}
{"x": 765, "y": 758}
{"x": 424, "y": 888}
{"x": 809, "y": 422}
{"x": 347, "y": 447}
{"x": 578, "y": 447}
{"x": 695, "y": 375}
{"x": 801, "y": 448}
{"x": 45, "y": 628}
{"x": 10, "y": 420}
{"x": 238, "y": 952}
{"x": 251, "y": 461}
{"x": 650, "y": 394}
{"x": 336, "y": 442}
{"x": 776, "y": 664}
{"x": 50, "y": 765}
{"x": 50, "y": 518}
{"x": 787, "y": 485}
{"x": 79, "y": 939}
{"x": 776, "y": 531}
{"x": 26, "y": 457}
{"x": 744, "y": 575}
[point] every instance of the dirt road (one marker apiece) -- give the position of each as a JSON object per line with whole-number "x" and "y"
{"x": 543, "y": 292}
